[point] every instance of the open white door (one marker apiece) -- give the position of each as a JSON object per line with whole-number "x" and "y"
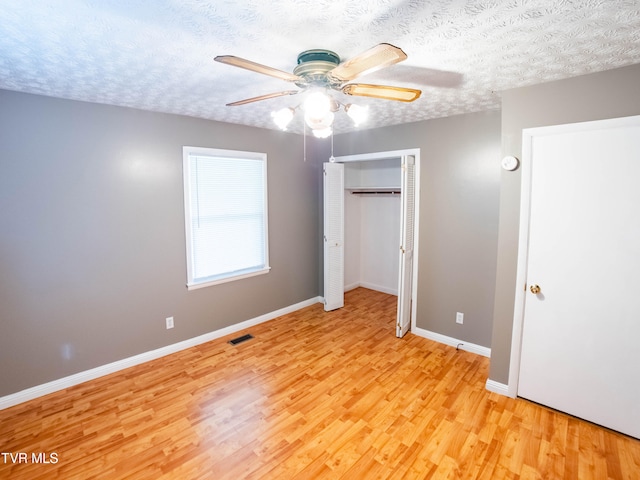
{"x": 333, "y": 183}
{"x": 406, "y": 248}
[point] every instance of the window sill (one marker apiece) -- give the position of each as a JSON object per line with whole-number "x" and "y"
{"x": 195, "y": 286}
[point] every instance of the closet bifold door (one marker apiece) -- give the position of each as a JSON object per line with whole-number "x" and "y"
{"x": 333, "y": 193}
{"x": 405, "y": 283}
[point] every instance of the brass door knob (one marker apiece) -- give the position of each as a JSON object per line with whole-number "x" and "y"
{"x": 535, "y": 289}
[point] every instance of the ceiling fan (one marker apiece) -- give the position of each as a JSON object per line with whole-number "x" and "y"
{"x": 322, "y": 68}
{"x": 321, "y": 71}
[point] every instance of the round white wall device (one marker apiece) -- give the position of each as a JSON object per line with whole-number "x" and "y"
{"x": 510, "y": 163}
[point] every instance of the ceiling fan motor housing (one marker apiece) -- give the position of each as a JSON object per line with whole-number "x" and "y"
{"x": 313, "y": 66}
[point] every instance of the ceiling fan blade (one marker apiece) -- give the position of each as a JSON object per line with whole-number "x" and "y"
{"x": 380, "y": 56}
{"x": 263, "y": 97}
{"x": 399, "y": 94}
{"x": 256, "y": 67}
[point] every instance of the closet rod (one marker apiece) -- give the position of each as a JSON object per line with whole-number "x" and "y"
{"x": 384, "y": 192}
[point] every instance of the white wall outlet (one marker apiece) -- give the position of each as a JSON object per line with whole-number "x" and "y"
{"x": 169, "y": 321}
{"x": 459, "y": 318}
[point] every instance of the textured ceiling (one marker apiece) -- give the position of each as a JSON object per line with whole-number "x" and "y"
{"x": 158, "y": 54}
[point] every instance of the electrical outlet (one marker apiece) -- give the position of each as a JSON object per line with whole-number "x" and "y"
{"x": 169, "y": 321}
{"x": 459, "y": 318}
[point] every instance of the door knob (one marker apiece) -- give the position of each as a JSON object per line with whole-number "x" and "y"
{"x": 535, "y": 289}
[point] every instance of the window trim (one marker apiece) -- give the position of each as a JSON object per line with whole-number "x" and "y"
{"x": 187, "y": 151}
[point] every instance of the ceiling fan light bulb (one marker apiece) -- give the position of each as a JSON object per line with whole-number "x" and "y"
{"x": 322, "y": 132}
{"x": 283, "y": 117}
{"x": 319, "y": 123}
{"x": 317, "y": 104}
{"x": 357, "y": 113}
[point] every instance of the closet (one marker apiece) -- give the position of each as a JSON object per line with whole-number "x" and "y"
{"x": 369, "y": 225}
{"x": 372, "y": 210}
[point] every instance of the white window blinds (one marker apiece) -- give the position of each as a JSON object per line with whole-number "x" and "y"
{"x": 225, "y": 214}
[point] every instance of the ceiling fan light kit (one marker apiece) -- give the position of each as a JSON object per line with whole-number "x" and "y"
{"x": 318, "y": 72}
{"x": 283, "y": 117}
{"x": 357, "y": 113}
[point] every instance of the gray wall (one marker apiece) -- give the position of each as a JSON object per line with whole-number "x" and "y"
{"x": 460, "y": 174}
{"x": 92, "y": 236}
{"x": 597, "y": 96}
{"x": 92, "y": 245}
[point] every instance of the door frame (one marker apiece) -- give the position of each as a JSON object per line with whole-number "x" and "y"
{"x": 415, "y": 152}
{"x": 528, "y": 136}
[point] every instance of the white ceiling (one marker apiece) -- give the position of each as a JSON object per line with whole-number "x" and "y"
{"x": 158, "y": 54}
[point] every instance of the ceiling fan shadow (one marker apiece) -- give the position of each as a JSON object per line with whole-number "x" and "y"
{"x": 420, "y": 76}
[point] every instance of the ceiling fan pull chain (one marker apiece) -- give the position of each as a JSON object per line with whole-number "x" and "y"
{"x": 332, "y": 158}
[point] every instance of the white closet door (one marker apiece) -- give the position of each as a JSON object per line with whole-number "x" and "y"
{"x": 405, "y": 286}
{"x": 333, "y": 184}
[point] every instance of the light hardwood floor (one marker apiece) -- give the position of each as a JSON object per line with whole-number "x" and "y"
{"x": 314, "y": 395}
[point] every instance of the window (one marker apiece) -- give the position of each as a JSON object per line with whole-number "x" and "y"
{"x": 225, "y": 201}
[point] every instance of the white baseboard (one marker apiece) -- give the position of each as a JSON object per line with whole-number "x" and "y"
{"x": 453, "y": 342}
{"x": 499, "y": 388}
{"x": 81, "y": 377}
{"x": 371, "y": 286}
{"x": 379, "y": 288}
{"x": 351, "y": 286}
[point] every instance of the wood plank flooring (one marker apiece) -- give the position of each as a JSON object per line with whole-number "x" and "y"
{"x": 314, "y": 395}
